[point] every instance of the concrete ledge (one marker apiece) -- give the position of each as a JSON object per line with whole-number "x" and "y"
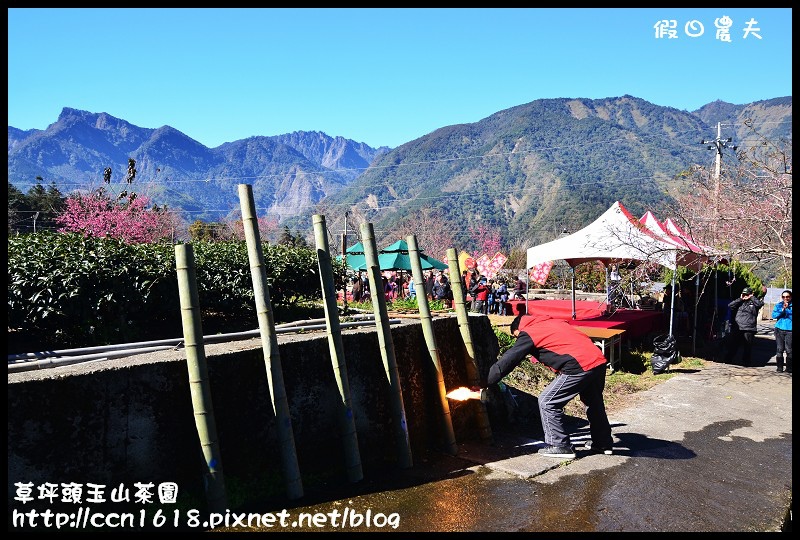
{"x": 131, "y": 420}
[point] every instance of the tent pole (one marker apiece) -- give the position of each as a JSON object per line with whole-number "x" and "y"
{"x": 344, "y": 277}
{"x": 696, "y": 301}
{"x": 574, "y": 314}
{"x": 716, "y": 326}
{"x": 527, "y": 286}
{"x": 672, "y": 301}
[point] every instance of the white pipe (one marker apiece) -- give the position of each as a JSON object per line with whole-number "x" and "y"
{"x": 288, "y": 327}
{"x": 43, "y": 360}
{"x": 67, "y": 360}
{"x": 100, "y": 348}
{"x": 314, "y": 321}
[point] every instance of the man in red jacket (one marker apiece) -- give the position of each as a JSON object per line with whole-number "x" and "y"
{"x": 480, "y": 294}
{"x": 580, "y": 369}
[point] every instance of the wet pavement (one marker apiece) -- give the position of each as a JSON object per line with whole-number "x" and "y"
{"x": 708, "y": 450}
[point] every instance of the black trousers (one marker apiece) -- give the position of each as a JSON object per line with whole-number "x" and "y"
{"x": 783, "y": 342}
{"x": 741, "y": 339}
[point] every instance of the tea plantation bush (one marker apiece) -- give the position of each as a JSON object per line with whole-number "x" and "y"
{"x": 67, "y": 291}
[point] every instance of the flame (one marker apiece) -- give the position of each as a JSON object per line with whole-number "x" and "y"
{"x": 463, "y": 393}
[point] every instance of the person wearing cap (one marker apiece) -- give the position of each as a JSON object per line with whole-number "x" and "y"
{"x": 580, "y": 369}
{"x": 744, "y": 318}
{"x": 480, "y": 294}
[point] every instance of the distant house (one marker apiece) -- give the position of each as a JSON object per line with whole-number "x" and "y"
{"x": 772, "y": 297}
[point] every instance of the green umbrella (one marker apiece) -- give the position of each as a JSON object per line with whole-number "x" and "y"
{"x": 395, "y": 257}
{"x": 357, "y": 261}
{"x": 355, "y": 256}
{"x": 356, "y": 249}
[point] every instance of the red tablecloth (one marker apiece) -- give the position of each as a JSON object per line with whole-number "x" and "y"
{"x": 561, "y": 309}
{"x": 635, "y": 322}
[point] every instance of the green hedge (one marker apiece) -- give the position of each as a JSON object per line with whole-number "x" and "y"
{"x": 65, "y": 290}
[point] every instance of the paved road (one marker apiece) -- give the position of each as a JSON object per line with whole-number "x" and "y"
{"x": 708, "y": 450}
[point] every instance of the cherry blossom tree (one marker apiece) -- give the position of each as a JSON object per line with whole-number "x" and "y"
{"x": 745, "y": 210}
{"x": 487, "y": 240}
{"x": 127, "y": 216}
{"x": 434, "y": 233}
{"x": 233, "y": 229}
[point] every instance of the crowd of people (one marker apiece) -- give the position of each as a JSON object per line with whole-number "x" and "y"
{"x": 487, "y": 296}
{"x": 400, "y": 286}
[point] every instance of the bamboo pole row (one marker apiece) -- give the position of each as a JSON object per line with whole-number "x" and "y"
{"x": 198, "y": 377}
{"x": 197, "y": 369}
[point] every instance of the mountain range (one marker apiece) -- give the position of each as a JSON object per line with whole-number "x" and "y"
{"x": 530, "y": 170}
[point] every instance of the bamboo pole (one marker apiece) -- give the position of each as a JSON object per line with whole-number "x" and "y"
{"x": 459, "y": 299}
{"x": 430, "y": 339}
{"x": 347, "y": 426}
{"x": 269, "y": 340}
{"x": 198, "y": 378}
{"x": 386, "y": 345}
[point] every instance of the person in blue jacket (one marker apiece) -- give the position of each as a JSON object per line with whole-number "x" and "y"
{"x": 782, "y": 313}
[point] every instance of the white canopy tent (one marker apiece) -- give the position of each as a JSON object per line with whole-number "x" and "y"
{"x": 673, "y": 229}
{"x": 689, "y": 254}
{"x": 614, "y": 237}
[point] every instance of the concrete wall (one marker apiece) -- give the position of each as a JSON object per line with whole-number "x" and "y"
{"x": 131, "y": 420}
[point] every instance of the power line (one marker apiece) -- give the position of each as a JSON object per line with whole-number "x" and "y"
{"x": 397, "y": 202}
{"x": 512, "y": 153}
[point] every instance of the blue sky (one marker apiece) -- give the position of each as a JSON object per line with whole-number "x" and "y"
{"x": 384, "y": 76}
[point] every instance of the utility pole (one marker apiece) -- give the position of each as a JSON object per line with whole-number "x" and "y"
{"x": 344, "y": 236}
{"x": 719, "y": 144}
{"x": 344, "y": 259}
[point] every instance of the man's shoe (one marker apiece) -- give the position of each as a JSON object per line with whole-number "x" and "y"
{"x": 563, "y": 452}
{"x": 780, "y": 370}
{"x": 589, "y": 447}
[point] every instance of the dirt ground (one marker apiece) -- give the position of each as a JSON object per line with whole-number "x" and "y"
{"x": 503, "y": 322}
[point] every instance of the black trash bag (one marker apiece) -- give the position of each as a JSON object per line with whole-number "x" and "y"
{"x": 665, "y": 353}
